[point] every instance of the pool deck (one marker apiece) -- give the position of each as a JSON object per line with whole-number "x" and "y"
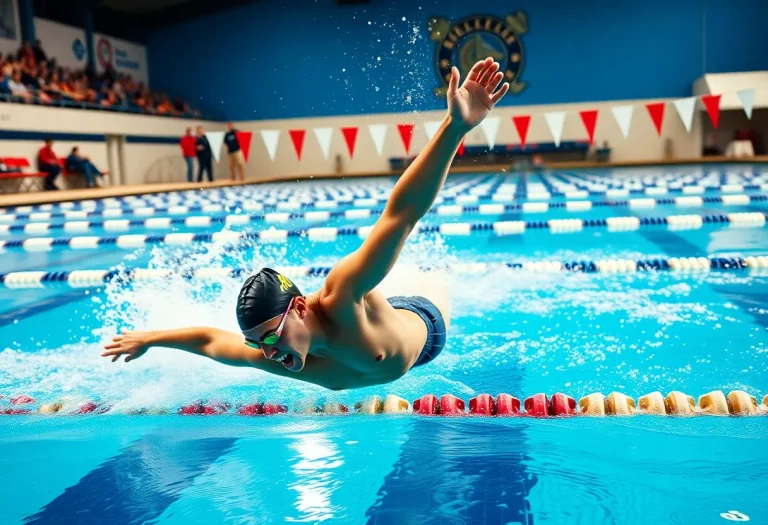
{"x": 23, "y": 199}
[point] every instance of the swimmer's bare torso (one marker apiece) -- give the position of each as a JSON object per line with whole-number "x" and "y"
{"x": 347, "y": 335}
{"x": 368, "y": 343}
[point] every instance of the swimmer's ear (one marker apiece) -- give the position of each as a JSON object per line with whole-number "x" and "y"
{"x": 300, "y": 304}
{"x": 453, "y": 84}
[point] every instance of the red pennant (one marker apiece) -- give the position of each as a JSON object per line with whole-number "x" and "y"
{"x": 297, "y": 137}
{"x": 350, "y": 137}
{"x": 244, "y": 140}
{"x": 712, "y": 103}
{"x": 589, "y": 119}
{"x": 521, "y": 124}
{"x": 406, "y": 131}
{"x": 461, "y": 148}
{"x": 656, "y": 111}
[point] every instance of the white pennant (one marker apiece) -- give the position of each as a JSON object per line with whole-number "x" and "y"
{"x": 685, "y": 107}
{"x": 747, "y": 97}
{"x": 270, "y": 138}
{"x": 431, "y": 127}
{"x": 323, "y": 136}
{"x": 623, "y": 116}
{"x": 555, "y": 121}
{"x": 215, "y": 139}
{"x": 491, "y": 128}
{"x": 378, "y": 132}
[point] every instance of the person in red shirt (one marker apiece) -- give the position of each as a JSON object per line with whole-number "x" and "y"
{"x": 188, "y": 145}
{"x": 48, "y": 163}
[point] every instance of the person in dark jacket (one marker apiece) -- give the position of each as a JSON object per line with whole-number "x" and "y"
{"x": 76, "y": 163}
{"x": 204, "y": 156}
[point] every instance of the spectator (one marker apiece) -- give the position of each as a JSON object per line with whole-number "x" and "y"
{"x": 77, "y": 163}
{"x": 40, "y": 56}
{"x": 26, "y": 54}
{"x": 17, "y": 87}
{"x": 5, "y": 79}
{"x": 48, "y": 163}
{"x": 204, "y": 156}
{"x": 188, "y": 150}
{"x": 236, "y": 159}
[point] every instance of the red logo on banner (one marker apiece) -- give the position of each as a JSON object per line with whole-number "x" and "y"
{"x": 244, "y": 140}
{"x": 104, "y": 53}
{"x": 712, "y": 103}
{"x": 589, "y": 118}
{"x": 521, "y": 124}
{"x": 656, "y": 111}
{"x": 350, "y": 137}
{"x": 406, "y": 132}
{"x": 297, "y": 137}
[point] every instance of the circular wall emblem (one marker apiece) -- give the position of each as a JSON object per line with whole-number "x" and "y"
{"x": 475, "y": 38}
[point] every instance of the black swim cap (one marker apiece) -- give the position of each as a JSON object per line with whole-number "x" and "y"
{"x": 262, "y": 297}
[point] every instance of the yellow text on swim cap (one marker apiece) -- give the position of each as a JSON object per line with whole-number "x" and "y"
{"x": 285, "y": 283}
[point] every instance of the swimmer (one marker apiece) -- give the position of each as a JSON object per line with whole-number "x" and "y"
{"x": 347, "y": 334}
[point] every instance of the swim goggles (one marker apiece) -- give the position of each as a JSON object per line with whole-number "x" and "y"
{"x": 274, "y": 336}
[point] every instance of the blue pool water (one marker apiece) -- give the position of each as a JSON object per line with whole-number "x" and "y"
{"x": 513, "y": 330}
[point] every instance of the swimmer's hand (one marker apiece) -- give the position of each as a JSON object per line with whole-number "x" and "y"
{"x": 469, "y": 104}
{"x": 130, "y": 344}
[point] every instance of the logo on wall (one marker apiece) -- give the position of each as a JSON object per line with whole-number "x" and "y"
{"x": 475, "y": 38}
{"x": 104, "y": 53}
{"x": 78, "y": 49}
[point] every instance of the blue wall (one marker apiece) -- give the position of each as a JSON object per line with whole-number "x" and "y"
{"x": 314, "y": 58}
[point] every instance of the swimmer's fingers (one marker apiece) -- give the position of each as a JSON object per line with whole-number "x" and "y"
{"x": 500, "y": 93}
{"x": 488, "y": 73}
{"x": 477, "y": 69}
{"x": 494, "y": 83}
{"x": 453, "y": 84}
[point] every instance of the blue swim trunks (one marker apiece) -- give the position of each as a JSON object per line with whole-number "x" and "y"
{"x": 432, "y": 317}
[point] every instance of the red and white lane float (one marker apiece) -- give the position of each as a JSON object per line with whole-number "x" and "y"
{"x": 736, "y": 403}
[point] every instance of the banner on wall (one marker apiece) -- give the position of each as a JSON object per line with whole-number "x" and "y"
{"x": 67, "y": 45}
{"x": 126, "y": 57}
{"x": 64, "y": 43}
{"x": 10, "y": 33}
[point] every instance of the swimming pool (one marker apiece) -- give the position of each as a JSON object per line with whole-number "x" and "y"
{"x": 575, "y": 282}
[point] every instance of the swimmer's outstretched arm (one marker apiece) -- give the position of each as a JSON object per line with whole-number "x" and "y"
{"x": 222, "y": 346}
{"x": 415, "y": 192}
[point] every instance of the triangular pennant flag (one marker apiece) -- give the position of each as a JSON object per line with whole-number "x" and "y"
{"x": 431, "y": 127}
{"x": 712, "y": 103}
{"x": 215, "y": 139}
{"x": 656, "y": 111}
{"x": 244, "y": 140}
{"x": 406, "y": 132}
{"x": 747, "y": 97}
{"x": 297, "y": 137}
{"x": 555, "y": 121}
{"x": 589, "y": 118}
{"x": 378, "y": 132}
{"x": 623, "y": 116}
{"x": 490, "y": 127}
{"x": 350, "y": 137}
{"x": 684, "y": 107}
{"x": 461, "y": 148}
{"x": 270, "y": 138}
{"x": 323, "y": 136}
{"x": 522, "y": 122}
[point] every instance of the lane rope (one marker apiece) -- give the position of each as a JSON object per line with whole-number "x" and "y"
{"x": 715, "y": 403}
{"x": 330, "y": 234}
{"x": 95, "y": 278}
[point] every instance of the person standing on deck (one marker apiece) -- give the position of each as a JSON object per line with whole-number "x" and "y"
{"x": 347, "y": 334}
